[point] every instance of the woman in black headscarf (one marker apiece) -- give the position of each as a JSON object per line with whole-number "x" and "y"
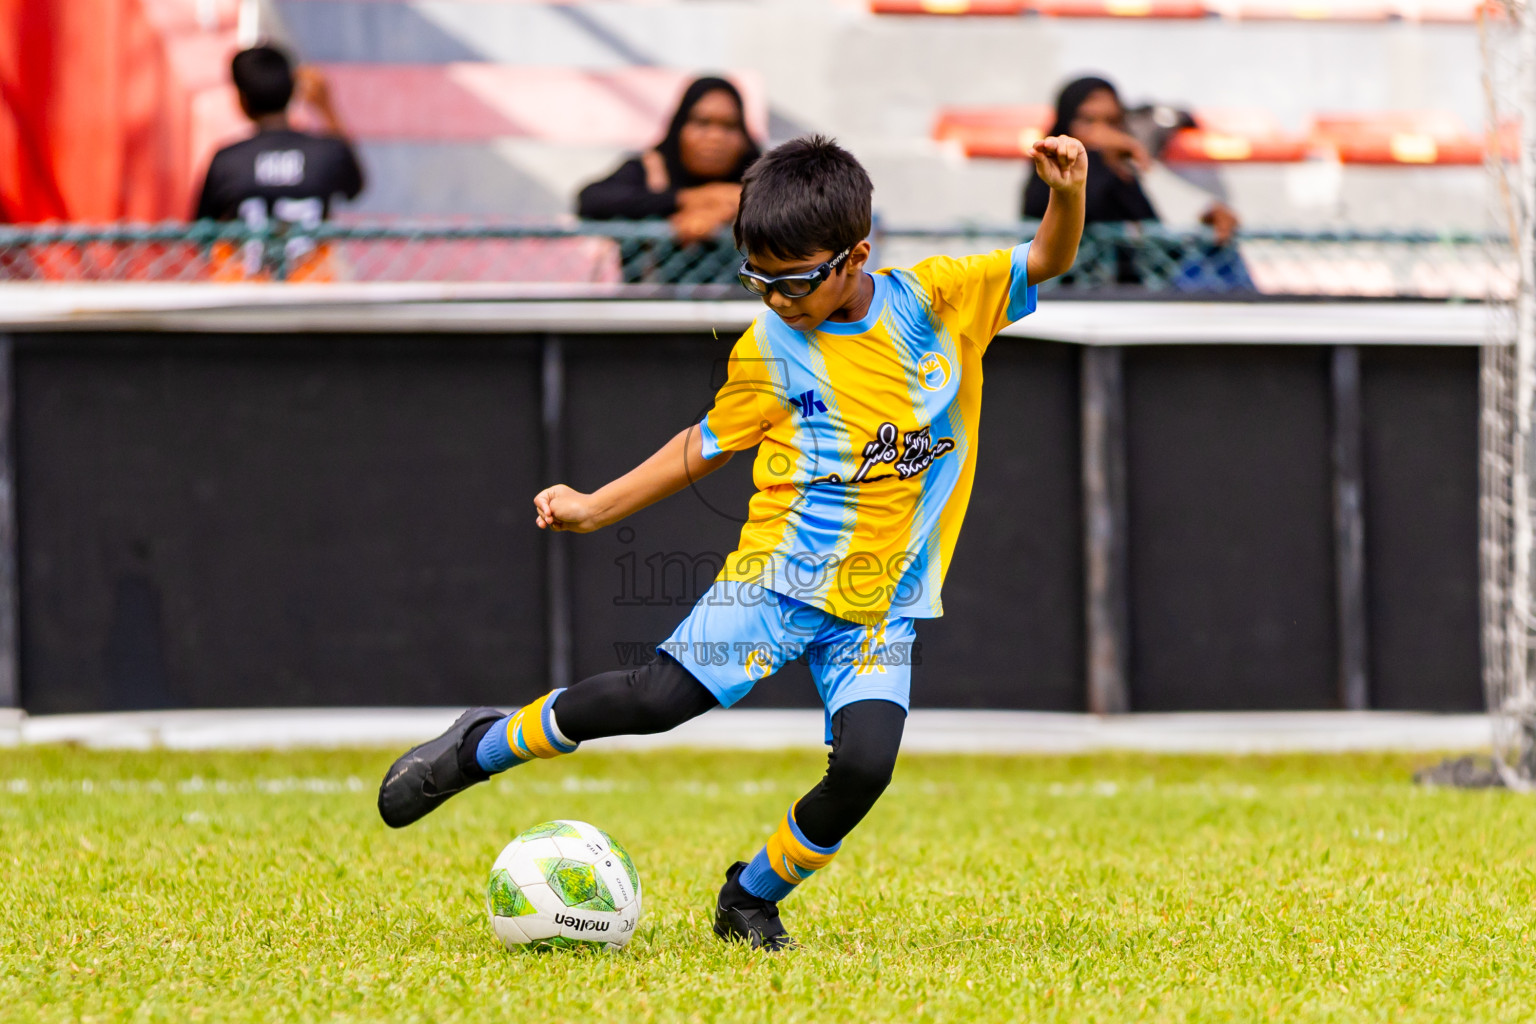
{"x": 1089, "y": 110}
{"x": 692, "y": 177}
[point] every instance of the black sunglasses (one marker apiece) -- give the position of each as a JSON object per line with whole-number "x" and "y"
{"x": 791, "y": 286}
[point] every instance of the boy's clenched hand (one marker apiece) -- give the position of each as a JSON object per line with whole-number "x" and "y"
{"x": 560, "y": 508}
{"x": 1061, "y": 162}
{"x": 677, "y": 464}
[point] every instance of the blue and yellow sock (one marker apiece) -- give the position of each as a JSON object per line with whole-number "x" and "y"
{"x": 787, "y": 860}
{"x": 527, "y": 733}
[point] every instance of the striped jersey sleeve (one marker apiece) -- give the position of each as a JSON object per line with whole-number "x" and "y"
{"x": 747, "y": 403}
{"x": 979, "y": 295}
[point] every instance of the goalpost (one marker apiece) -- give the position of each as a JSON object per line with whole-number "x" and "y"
{"x": 1508, "y": 383}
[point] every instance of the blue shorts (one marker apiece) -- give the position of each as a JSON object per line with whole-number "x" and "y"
{"x": 739, "y": 633}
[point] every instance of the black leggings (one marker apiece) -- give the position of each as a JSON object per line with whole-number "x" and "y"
{"x": 663, "y": 695}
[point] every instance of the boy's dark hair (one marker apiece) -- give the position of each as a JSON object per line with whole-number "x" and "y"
{"x": 805, "y": 196}
{"x": 264, "y": 78}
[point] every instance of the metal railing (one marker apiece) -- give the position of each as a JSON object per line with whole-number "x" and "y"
{"x": 231, "y": 252}
{"x": 1114, "y": 260}
{"x": 1150, "y": 260}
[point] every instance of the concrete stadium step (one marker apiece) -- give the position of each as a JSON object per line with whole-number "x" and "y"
{"x": 883, "y": 66}
{"x": 495, "y": 178}
{"x": 430, "y": 80}
{"x": 621, "y": 107}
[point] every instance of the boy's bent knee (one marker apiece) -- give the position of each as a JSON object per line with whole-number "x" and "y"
{"x": 652, "y": 698}
{"x": 861, "y": 773}
{"x": 867, "y": 738}
{"x": 666, "y": 695}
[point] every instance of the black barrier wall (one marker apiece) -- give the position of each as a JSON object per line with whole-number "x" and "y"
{"x": 1421, "y": 413}
{"x": 1231, "y": 547}
{"x": 236, "y": 520}
{"x": 230, "y": 521}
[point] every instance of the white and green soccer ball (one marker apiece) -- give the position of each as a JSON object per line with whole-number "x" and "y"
{"x": 564, "y": 884}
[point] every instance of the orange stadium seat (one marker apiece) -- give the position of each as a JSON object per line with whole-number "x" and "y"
{"x": 982, "y": 7}
{"x": 1224, "y": 136}
{"x": 1244, "y": 136}
{"x": 1162, "y": 9}
{"x": 998, "y": 132}
{"x": 1236, "y": 136}
{"x": 1399, "y": 137}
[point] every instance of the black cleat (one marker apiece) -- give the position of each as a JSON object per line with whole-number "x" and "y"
{"x": 427, "y": 775}
{"x": 743, "y": 917}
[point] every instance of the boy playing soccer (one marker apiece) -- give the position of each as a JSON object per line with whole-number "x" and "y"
{"x": 862, "y": 395}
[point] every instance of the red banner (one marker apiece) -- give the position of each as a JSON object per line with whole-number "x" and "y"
{"x": 111, "y": 108}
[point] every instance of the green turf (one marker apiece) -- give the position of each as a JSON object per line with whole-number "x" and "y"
{"x": 152, "y": 886}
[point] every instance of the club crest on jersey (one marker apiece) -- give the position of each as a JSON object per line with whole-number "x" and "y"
{"x": 933, "y": 371}
{"x": 807, "y": 404}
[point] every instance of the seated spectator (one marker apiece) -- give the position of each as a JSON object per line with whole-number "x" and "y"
{"x": 692, "y": 177}
{"x": 279, "y": 173}
{"x": 1121, "y": 145}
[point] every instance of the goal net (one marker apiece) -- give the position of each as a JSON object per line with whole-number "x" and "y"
{"x": 1507, "y": 31}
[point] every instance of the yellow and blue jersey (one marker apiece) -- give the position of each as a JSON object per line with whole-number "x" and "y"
{"x": 866, "y": 437}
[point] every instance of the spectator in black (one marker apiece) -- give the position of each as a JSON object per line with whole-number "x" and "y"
{"x": 692, "y": 177}
{"x": 1121, "y": 145}
{"x": 279, "y": 173}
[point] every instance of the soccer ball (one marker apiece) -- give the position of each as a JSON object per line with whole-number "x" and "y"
{"x": 562, "y": 885}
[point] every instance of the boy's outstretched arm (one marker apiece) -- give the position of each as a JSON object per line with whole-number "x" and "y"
{"x": 1062, "y": 163}
{"x": 678, "y": 463}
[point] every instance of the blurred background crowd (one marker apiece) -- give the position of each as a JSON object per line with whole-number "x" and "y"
{"x": 1204, "y": 116}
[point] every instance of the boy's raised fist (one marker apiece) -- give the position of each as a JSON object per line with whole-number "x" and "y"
{"x": 1061, "y": 162}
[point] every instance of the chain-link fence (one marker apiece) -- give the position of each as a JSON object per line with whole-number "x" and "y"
{"x": 1127, "y": 260}
{"x": 1118, "y": 260}
{"x": 230, "y": 252}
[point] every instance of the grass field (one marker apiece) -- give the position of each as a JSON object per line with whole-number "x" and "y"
{"x": 153, "y": 886}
